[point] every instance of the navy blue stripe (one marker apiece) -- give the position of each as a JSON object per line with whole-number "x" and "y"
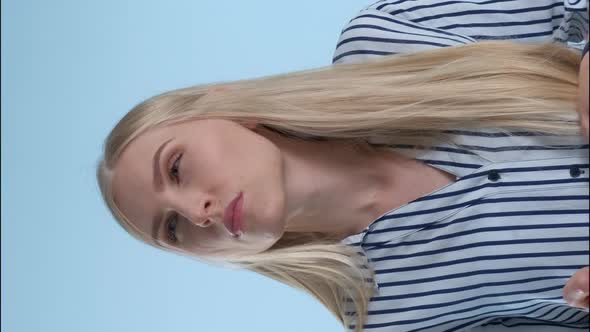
{"x": 572, "y": 315}
{"x": 535, "y": 307}
{"x": 497, "y": 134}
{"x": 479, "y": 201}
{"x": 573, "y": 3}
{"x": 390, "y": 4}
{"x": 390, "y": 40}
{"x": 482, "y": 244}
{"x": 543, "y": 321}
{"x": 475, "y": 201}
{"x": 505, "y": 37}
{"x": 465, "y": 300}
{"x": 525, "y": 147}
{"x": 560, "y": 306}
{"x": 584, "y": 317}
{"x": 575, "y": 18}
{"x": 492, "y": 149}
{"x": 501, "y": 24}
{"x": 403, "y": 322}
{"x": 396, "y": 12}
{"x": 524, "y": 169}
{"x": 545, "y": 314}
{"x": 434, "y": 148}
{"x": 422, "y": 319}
{"x": 450, "y": 163}
{"x": 459, "y": 327}
{"x": 577, "y": 31}
{"x": 561, "y": 313}
{"x": 569, "y": 268}
{"x": 385, "y": 244}
{"x": 537, "y": 320}
{"x": 417, "y": 26}
{"x": 376, "y": 27}
{"x": 487, "y": 11}
{"x": 465, "y": 288}
{"x": 566, "y": 309}
{"x": 360, "y": 52}
{"x": 436, "y": 224}
{"x": 581, "y": 10}
{"x": 517, "y": 319}
{"x": 484, "y": 258}
{"x": 506, "y": 319}
{"x": 502, "y": 184}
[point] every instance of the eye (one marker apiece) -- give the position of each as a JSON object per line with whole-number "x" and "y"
{"x": 170, "y": 227}
{"x": 174, "y": 169}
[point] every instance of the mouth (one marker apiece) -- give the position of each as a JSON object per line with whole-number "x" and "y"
{"x": 232, "y": 219}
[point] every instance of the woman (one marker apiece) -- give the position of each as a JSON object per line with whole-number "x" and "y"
{"x": 313, "y": 159}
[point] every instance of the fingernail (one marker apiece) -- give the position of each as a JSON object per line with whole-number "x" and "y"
{"x": 576, "y": 296}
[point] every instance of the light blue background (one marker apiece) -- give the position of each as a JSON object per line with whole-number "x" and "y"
{"x": 70, "y": 70}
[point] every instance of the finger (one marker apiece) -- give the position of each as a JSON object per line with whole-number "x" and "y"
{"x": 584, "y": 125}
{"x": 576, "y": 290}
{"x": 582, "y": 109}
{"x": 579, "y": 299}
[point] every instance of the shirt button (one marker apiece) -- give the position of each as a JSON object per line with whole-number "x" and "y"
{"x": 575, "y": 171}
{"x": 493, "y": 175}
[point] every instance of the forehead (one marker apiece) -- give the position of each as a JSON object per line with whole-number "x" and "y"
{"x": 143, "y": 147}
{"x": 132, "y": 180}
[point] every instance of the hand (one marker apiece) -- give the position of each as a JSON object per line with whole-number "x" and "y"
{"x": 583, "y": 109}
{"x": 576, "y": 289}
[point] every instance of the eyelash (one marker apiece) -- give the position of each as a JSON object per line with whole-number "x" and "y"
{"x": 172, "y": 221}
{"x": 174, "y": 169}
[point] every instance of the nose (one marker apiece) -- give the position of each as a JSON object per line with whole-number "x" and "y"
{"x": 199, "y": 213}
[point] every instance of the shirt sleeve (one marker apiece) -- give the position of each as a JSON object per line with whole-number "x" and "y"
{"x": 401, "y": 26}
{"x": 374, "y": 33}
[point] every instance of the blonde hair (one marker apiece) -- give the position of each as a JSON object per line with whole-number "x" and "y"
{"x": 400, "y": 99}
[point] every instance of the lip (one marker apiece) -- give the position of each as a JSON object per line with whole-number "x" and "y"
{"x": 233, "y": 215}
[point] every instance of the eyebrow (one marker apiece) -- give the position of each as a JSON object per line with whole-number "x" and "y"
{"x": 158, "y": 186}
{"x": 157, "y": 178}
{"x": 157, "y": 221}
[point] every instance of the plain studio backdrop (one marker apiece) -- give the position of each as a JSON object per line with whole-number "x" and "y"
{"x": 70, "y": 70}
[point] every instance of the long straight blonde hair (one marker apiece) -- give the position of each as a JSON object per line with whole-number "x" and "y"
{"x": 399, "y": 99}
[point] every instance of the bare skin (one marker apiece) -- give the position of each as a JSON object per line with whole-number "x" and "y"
{"x": 287, "y": 185}
{"x": 583, "y": 107}
{"x": 576, "y": 291}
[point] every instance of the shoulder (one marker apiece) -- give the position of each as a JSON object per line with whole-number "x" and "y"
{"x": 374, "y": 32}
{"x": 403, "y": 26}
{"x": 502, "y": 145}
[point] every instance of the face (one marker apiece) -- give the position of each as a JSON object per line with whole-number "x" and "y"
{"x": 174, "y": 183}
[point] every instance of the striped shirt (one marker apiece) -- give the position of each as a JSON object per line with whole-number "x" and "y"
{"x": 494, "y": 248}
{"x": 499, "y": 242}
{"x": 402, "y": 26}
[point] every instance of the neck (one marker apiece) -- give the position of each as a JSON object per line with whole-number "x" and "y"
{"x": 334, "y": 188}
